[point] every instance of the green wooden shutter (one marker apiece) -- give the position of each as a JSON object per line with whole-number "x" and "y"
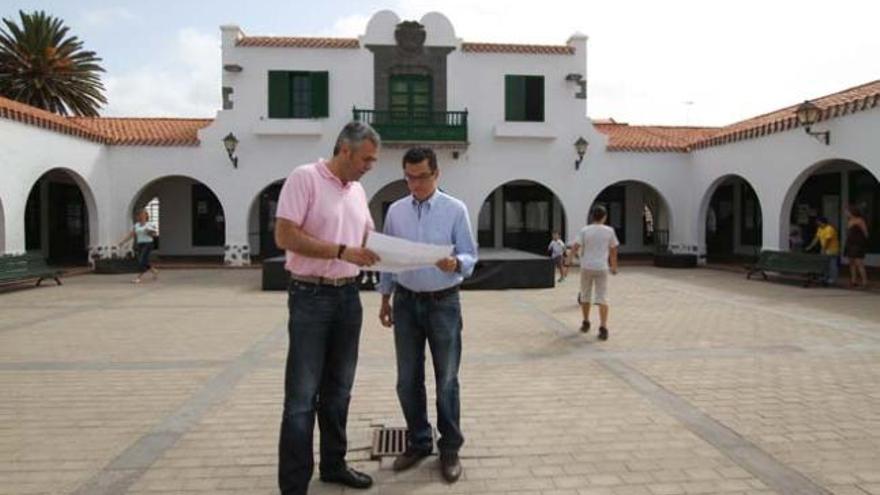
{"x": 279, "y": 95}
{"x": 320, "y": 94}
{"x": 514, "y": 98}
{"x": 534, "y": 99}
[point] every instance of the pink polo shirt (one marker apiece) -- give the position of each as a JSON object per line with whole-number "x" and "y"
{"x": 317, "y": 201}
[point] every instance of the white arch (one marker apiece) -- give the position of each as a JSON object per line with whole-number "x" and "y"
{"x": 664, "y": 206}
{"x": 133, "y": 202}
{"x": 144, "y": 194}
{"x": 664, "y": 198}
{"x": 485, "y": 195}
{"x": 706, "y": 199}
{"x": 395, "y": 190}
{"x": 253, "y": 219}
{"x": 798, "y": 182}
{"x": 87, "y": 192}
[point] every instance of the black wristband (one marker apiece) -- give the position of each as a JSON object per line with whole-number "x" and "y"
{"x": 341, "y": 250}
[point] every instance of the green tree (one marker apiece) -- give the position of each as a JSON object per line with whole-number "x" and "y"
{"x": 42, "y": 66}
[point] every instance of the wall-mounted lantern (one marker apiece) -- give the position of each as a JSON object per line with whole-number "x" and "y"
{"x": 580, "y": 146}
{"x": 230, "y": 142}
{"x": 807, "y": 115}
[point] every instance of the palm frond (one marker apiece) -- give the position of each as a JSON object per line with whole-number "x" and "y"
{"x": 43, "y": 66}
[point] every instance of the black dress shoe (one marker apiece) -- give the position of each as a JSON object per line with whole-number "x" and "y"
{"x": 409, "y": 459}
{"x": 450, "y": 466}
{"x": 348, "y": 477}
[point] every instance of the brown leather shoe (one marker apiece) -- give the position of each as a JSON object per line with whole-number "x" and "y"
{"x": 409, "y": 459}
{"x": 450, "y": 466}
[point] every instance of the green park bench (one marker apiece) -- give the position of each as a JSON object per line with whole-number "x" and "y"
{"x": 814, "y": 267}
{"x": 28, "y": 266}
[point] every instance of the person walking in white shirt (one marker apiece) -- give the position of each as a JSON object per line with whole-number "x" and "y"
{"x": 556, "y": 250}
{"x": 597, "y": 245}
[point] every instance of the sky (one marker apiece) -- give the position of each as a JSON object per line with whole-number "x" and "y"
{"x": 658, "y": 62}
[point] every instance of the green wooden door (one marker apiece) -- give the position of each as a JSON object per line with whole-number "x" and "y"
{"x": 410, "y": 98}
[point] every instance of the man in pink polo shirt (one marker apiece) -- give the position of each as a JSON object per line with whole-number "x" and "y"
{"x": 322, "y": 221}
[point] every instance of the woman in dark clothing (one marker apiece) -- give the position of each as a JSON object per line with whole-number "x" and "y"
{"x": 856, "y": 246}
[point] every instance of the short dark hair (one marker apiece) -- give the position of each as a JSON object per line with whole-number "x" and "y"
{"x": 420, "y": 154}
{"x": 598, "y": 213}
{"x": 822, "y": 219}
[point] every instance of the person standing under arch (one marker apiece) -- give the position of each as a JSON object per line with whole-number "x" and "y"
{"x": 856, "y": 246}
{"x": 826, "y": 238}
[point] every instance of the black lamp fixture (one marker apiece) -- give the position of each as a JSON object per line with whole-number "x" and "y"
{"x": 230, "y": 142}
{"x": 581, "y": 147}
{"x": 807, "y": 115}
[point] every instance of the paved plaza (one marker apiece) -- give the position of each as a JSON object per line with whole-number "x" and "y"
{"x": 709, "y": 384}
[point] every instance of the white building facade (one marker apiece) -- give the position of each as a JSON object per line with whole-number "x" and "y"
{"x": 503, "y": 118}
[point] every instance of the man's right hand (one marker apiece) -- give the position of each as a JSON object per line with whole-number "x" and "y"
{"x": 359, "y": 256}
{"x": 385, "y": 314}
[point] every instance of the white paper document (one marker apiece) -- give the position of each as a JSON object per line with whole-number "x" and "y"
{"x": 400, "y": 255}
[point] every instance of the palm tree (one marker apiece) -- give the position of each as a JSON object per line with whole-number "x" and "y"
{"x": 42, "y": 66}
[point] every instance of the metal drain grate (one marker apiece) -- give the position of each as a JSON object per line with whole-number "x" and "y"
{"x": 391, "y": 441}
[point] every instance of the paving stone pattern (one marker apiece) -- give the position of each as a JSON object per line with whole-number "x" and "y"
{"x": 709, "y": 384}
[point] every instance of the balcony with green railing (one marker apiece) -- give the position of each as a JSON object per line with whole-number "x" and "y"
{"x": 416, "y": 126}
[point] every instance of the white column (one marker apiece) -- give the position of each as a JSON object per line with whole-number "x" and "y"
{"x": 13, "y": 225}
{"x": 237, "y": 248}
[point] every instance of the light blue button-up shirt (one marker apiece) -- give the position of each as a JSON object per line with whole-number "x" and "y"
{"x": 440, "y": 219}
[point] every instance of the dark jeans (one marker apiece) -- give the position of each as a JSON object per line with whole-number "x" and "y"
{"x": 417, "y": 320}
{"x": 833, "y": 268}
{"x": 324, "y": 330}
{"x": 142, "y": 250}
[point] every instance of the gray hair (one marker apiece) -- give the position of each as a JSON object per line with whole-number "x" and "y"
{"x": 353, "y": 134}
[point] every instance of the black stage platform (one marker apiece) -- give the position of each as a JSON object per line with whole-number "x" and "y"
{"x": 496, "y": 269}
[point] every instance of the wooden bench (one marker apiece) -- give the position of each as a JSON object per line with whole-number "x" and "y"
{"x": 815, "y": 267}
{"x": 29, "y": 266}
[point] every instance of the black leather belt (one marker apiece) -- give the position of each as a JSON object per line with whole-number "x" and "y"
{"x": 432, "y": 295}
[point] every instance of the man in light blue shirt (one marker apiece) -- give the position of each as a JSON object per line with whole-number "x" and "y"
{"x": 427, "y": 309}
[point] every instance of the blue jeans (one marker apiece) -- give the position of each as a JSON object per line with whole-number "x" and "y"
{"x": 143, "y": 249}
{"x": 324, "y": 330}
{"x": 437, "y": 322}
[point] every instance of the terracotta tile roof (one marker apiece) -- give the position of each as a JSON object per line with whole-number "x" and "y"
{"x": 521, "y": 49}
{"x": 27, "y": 114}
{"x": 855, "y": 99}
{"x": 651, "y": 138}
{"x": 144, "y": 131}
{"x": 297, "y": 42}
{"x": 109, "y": 130}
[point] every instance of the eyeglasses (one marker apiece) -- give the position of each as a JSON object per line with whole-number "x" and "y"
{"x": 418, "y": 178}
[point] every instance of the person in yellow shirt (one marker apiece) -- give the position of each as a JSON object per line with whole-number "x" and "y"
{"x": 826, "y": 237}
